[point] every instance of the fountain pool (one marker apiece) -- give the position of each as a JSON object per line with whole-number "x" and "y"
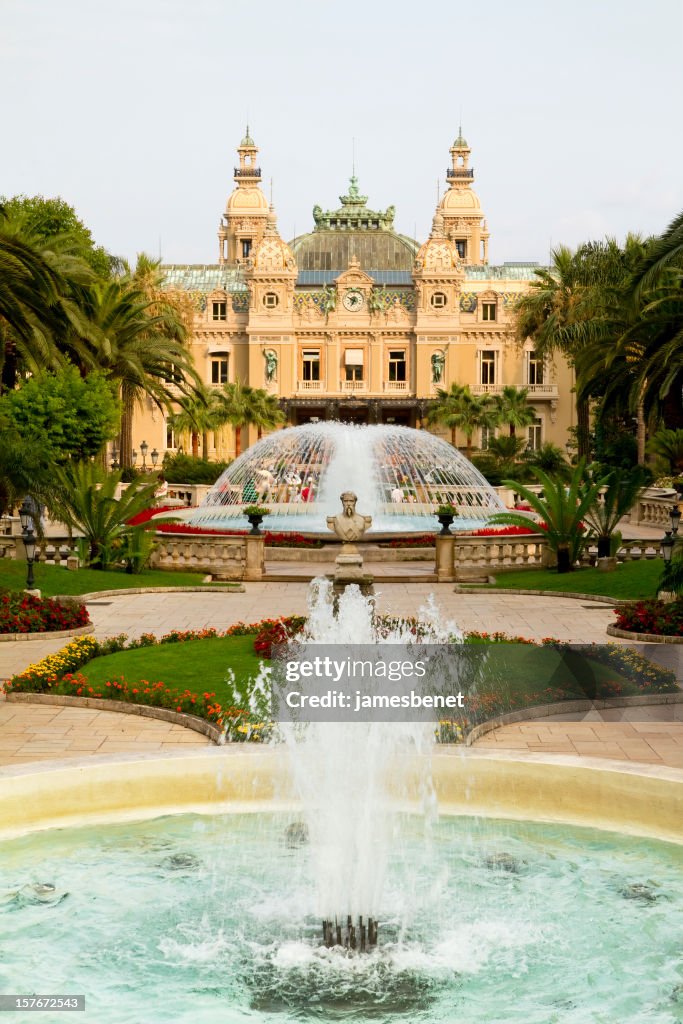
{"x": 400, "y": 475}
{"x": 188, "y": 920}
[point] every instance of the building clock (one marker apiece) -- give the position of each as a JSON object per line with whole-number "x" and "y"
{"x": 353, "y": 300}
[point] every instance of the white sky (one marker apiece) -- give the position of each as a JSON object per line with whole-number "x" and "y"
{"x": 131, "y": 111}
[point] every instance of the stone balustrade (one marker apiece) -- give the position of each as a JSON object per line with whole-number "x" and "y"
{"x": 653, "y": 508}
{"x": 462, "y": 558}
{"x": 228, "y": 558}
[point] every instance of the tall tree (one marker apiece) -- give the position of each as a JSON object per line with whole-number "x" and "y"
{"x": 140, "y": 344}
{"x": 458, "y": 409}
{"x": 242, "y": 406}
{"x": 513, "y": 407}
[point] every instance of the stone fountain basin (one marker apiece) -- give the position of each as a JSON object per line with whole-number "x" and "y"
{"x": 642, "y": 800}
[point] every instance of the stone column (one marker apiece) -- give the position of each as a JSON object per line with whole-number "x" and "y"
{"x": 445, "y": 549}
{"x": 255, "y": 563}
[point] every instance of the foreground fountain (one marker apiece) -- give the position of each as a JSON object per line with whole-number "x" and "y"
{"x": 400, "y": 476}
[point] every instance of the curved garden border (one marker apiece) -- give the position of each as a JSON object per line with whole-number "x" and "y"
{"x": 219, "y": 588}
{"x": 644, "y": 638}
{"x": 47, "y": 634}
{"x": 193, "y": 722}
{"x": 567, "y": 707}
{"x": 613, "y": 602}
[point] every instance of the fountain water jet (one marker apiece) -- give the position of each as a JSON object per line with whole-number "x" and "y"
{"x": 343, "y": 772}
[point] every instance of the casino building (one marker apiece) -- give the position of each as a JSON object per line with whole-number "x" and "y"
{"x": 355, "y": 321}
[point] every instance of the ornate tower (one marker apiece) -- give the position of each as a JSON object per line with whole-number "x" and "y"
{"x": 463, "y": 220}
{"x": 246, "y": 211}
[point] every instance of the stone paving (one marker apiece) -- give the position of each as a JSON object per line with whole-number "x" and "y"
{"x": 44, "y": 733}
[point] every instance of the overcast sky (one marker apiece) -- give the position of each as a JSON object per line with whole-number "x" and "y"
{"x": 131, "y": 111}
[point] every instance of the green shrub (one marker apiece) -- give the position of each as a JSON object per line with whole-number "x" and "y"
{"x": 184, "y": 469}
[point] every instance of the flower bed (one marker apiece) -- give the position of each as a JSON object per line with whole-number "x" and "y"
{"x": 24, "y": 613}
{"x": 506, "y": 531}
{"x": 655, "y": 617}
{"x": 61, "y": 673}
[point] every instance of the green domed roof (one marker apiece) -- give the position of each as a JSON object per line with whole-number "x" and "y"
{"x": 354, "y": 231}
{"x": 247, "y": 140}
{"x": 461, "y": 141}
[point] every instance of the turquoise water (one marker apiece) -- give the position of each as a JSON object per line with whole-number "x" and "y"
{"x": 203, "y": 920}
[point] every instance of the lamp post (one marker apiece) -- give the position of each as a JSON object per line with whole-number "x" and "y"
{"x": 133, "y": 457}
{"x": 114, "y": 458}
{"x": 154, "y": 456}
{"x": 668, "y": 541}
{"x": 28, "y": 537}
{"x": 675, "y": 520}
{"x": 143, "y": 451}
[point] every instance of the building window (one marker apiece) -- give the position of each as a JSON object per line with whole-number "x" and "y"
{"x": 311, "y": 364}
{"x": 397, "y": 365}
{"x": 439, "y": 300}
{"x": 354, "y": 372}
{"x": 461, "y": 246}
{"x": 488, "y": 311}
{"x": 270, "y": 300}
{"x": 170, "y": 437}
{"x": 219, "y": 310}
{"x": 534, "y": 368}
{"x": 246, "y": 248}
{"x": 353, "y": 363}
{"x": 488, "y": 366}
{"x": 486, "y": 434}
{"x": 219, "y": 368}
{"x": 535, "y": 435}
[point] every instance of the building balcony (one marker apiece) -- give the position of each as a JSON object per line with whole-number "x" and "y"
{"x": 396, "y": 386}
{"x": 535, "y": 391}
{"x": 309, "y": 385}
{"x": 354, "y": 386}
{"x": 459, "y": 174}
{"x": 247, "y": 172}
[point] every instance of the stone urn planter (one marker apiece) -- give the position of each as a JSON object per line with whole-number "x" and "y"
{"x": 446, "y": 514}
{"x": 255, "y": 516}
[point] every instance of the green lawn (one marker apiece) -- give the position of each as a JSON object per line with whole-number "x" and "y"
{"x": 629, "y": 581}
{"x": 197, "y": 665}
{"x": 56, "y": 579}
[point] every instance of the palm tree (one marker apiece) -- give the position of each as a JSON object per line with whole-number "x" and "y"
{"x": 199, "y": 413}
{"x": 240, "y": 406}
{"x": 546, "y": 314}
{"x": 457, "y": 408}
{"x": 270, "y": 415}
{"x": 512, "y": 405}
{"x": 618, "y": 498}
{"x": 30, "y": 291}
{"x": 561, "y": 511}
{"x": 141, "y": 349}
{"x": 667, "y": 446}
{"x": 85, "y": 500}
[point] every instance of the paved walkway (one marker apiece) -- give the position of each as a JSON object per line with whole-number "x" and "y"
{"x": 533, "y": 617}
{"x": 38, "y": 732}
{"x": 44, "y": 733}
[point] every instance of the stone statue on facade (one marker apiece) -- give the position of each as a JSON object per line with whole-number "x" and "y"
{"x": 438, "y": 364}
{"x": 271, "y": 365}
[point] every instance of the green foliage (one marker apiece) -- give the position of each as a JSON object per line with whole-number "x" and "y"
{"x": 50, "y": 220}
{"x": 183, "y": 469}
{"x": 513, "y": 408}
{"x": 667, "y": 447}
{"x": 562, "y": 509}
{"x": 459, "y": 409}
{"x": 86, "y": 502}
{"x": 63, "y": 413}
{"x": 549, "y": 458}
{"x": 621, "y": 493}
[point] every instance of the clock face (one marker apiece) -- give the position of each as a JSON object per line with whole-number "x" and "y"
{"x": 353, "y": 300}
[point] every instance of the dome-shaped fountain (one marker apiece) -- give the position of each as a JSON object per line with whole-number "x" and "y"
{"x": 400, "y": 476}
